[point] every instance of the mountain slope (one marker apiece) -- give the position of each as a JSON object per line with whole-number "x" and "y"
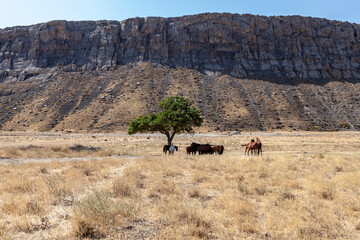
{"x": 242, "y": 71}
{"x": 108, "y": 100}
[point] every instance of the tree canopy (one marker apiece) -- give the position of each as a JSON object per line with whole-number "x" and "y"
{"x": 177, "y": 116}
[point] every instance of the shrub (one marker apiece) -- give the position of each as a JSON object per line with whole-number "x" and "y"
{"x": 121, "y": 188}
{"x": 97, "y": 214}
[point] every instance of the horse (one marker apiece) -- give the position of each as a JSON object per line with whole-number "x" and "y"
{"x": 253, "y": 146}
{"x": 171, "y": 149}
{"x": 191, "y": 150}
{"x": 201, "y": 148}
{"x": 205, "y": 148}
{"x": 247, "y": 145}
{"x": 258, "y": 145}
{"x": 166, "y": 148}
{"x": 217, "y": 149}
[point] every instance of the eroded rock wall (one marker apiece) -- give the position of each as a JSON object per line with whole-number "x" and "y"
{"x": 278, "y": 49}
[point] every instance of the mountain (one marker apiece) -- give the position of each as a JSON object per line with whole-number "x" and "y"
{"x": 244, "y": 72}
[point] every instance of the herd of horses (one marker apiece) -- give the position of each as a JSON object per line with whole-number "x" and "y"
{"x": 253, "y": 147}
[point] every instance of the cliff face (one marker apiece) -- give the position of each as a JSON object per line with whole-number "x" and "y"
{"x": 279, "y": 49}
{"x": 99, "y": 75}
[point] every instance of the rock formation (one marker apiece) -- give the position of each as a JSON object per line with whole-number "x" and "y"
{"x": 279, "y": 49}
{"x": 243, "y": 72}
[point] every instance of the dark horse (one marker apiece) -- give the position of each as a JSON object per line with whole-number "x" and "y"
{"x": 258, "y": 146}
{"x": 201, "y": 148}
{"x": 204, "y": 149}
{"x": 166, "y": 148}
{"x": 190, "y": 150}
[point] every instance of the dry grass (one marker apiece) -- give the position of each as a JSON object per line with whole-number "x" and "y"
{"x": 305, "y": 186}
{"x": 32, "y": 151}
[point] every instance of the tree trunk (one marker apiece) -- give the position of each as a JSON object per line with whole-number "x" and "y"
{"x": 169, "y": 141}
{"x": 170, "y": 138}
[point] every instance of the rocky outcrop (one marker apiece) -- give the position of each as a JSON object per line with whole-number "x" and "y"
{"x": 279, "y": 49}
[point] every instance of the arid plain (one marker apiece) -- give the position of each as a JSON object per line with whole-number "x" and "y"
{"x": 306, "y": 185}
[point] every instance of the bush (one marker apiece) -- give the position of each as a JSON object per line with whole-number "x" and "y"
{"x": 97, "y": 214}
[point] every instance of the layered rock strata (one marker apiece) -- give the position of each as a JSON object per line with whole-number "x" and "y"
{"x": 279, "y": 49}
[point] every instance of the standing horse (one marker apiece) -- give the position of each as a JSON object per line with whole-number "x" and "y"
{"x": 201, "y": 148}
{"x": 190, "y": 150}
{"x": 258, "y": 145}
{"x": 253, "y": 146}
{"x": 171, "y": 149}
{"x": 167, "y": 147}
{"x": 217, "y": 149}
{"x": 248, "y": 146}
{"x": 204, "y": 149}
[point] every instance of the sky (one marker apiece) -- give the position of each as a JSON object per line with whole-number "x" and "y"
{"x": 28, "y": 12}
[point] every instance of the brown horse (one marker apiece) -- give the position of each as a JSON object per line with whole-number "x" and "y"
{"x": 191, "y": 150}
{"x": 166, "y": 148}
{"x": 201, "y": 148}
{"x": 217, "y": 149}
{"x": 248, "y": 146}
{"x": 258, "y": 146}
{"x": 188, "y": 150}
{"x": 204, "y": 149}
{"x": 253, "y": 146}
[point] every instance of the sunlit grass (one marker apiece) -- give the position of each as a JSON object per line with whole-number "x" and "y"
{"x": 299, "y": 192}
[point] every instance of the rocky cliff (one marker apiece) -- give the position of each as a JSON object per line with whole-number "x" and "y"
{"x": 243, "y": 72}
{"x": 279, "y": 49}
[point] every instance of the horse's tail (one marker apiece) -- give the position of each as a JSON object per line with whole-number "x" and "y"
{"x": 243, "y": 145}
{"x": 221, "y": 149}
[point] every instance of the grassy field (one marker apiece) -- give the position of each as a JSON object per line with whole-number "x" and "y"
{"x": 306, "y": 185}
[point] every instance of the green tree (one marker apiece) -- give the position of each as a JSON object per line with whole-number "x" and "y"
{"x": 177, "y": 116}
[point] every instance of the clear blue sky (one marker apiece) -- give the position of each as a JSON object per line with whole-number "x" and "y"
{"x": 27, "y": 12}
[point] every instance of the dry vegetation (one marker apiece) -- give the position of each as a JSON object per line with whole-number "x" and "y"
{"x": 305, "y": 186}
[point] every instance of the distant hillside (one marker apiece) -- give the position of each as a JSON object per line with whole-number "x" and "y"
{"x": 108, "y": 100}
{"x": 242, "y": 71}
